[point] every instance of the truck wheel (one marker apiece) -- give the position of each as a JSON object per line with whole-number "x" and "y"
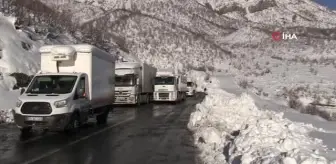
{"x": 147, "y": 99}
{"x": 26, "y": 131}
{"x": 102, "y": 118}
{"x": 74, "y": 124}
{"x": 138, "y": 100}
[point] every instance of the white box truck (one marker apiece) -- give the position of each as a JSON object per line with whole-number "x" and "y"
{"x": 75, "y": 83}
{"x": 134, "y": 83}
{"x": 191, "y": 87}
{"x": 169, "y": 86}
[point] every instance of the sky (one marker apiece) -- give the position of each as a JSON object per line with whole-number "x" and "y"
{"x": 329, "y": 3}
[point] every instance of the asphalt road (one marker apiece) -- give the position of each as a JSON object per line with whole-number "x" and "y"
{"x": 149, "y": 134}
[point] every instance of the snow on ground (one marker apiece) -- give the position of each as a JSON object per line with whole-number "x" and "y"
{"x": 230, "y": 128}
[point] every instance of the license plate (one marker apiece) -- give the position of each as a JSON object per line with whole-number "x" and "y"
{"x": 34, "y": 118}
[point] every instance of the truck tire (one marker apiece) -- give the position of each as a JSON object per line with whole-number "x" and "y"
{"x": 138, "y": 100}
{"x": 102, "y": 118}
{"x": 73, "y": 125}
{"x": 25, "y": 131}
{"x": 147, "y": 99}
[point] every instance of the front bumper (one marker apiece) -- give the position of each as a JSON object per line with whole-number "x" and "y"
{"x": 190, "y": 93}
{"x": 54, "y": 122}
{"x": 124, "y": 100}
{"x": 169, "y": 96}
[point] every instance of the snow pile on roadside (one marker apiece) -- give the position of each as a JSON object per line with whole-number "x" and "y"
{"x": 231, "y": 129}
{"x": 19, "y": 53}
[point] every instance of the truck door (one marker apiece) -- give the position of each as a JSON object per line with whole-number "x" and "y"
{"x": 82, "y": 98}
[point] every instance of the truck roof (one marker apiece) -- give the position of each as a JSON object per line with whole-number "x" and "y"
{"x": 127, "y": 65}
{"x": 77, "y": 47}
{"x": 84, "y": 48}
{"x": 60, "y": 73}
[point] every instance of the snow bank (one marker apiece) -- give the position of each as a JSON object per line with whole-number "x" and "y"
{"x": 19, "y": 53}
{"x": 230, "y": 129}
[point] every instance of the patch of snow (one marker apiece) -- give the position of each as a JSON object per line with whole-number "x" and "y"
{"x": 249, "y": 135}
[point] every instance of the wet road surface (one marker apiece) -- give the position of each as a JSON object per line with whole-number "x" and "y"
{"x": 149, "y": 134}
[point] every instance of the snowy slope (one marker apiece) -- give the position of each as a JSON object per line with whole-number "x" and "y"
{"x": 19, "y": 53}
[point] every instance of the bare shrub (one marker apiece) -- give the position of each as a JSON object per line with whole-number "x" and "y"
{"x": 257, "y": 66}
{"x": 262, "y": 5}
{"x": 283, "y": 74}
{"x": 265, "y": 94}
{"x": 232, "y": 8}
{"x": 259, "y": 91}
{"x": 243, "y": 83}
{"x": 310, "y": 109}
{"x": 313, "y": 71}
{"x": 277, "y": 57}
{"x": 238, "y": 66}
{"x": 295, "y": 103}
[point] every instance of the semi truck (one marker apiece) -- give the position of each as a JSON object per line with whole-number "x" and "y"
{"x": 191, "y": 87}
{"x": 75, "y": 83}
{"x": 169, "y": 86}
{"x": 134, "y": 83}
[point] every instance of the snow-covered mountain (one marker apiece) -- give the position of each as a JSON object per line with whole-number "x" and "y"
{"x": 230, "y": 35}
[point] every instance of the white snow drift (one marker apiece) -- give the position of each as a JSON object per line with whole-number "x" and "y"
{"x": 231, "y": 129}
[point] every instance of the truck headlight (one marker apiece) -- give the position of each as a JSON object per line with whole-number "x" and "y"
{"x": 132, "y": 97}
{"x": 61, "y": 103}
{"x": 18, "y": 103}
{"x": 13, "y": 112}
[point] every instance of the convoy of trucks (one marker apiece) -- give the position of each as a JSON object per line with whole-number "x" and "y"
{"x": 134, "y": 83}
{"x": 169, "y": 86}
{"x": 80, "y": 82}
{"x": 75, "y": 83}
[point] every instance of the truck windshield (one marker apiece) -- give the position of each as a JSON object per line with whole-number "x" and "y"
{"x": 189, "y": 84}
{"x": 164, "y": 80}
{"x": 58, "y": 84}
{"x": 126, "y": 80}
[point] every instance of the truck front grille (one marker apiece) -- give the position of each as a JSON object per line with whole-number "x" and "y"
{"x": 163, "y": 95}
{"x": 36, "y": 108}
{"x": 121, "y": 93}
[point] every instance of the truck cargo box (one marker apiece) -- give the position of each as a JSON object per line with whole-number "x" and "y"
{"x": 97, "y": 64}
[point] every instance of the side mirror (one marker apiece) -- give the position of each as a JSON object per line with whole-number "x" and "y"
{"x": 22, "y": 91}
{"x": 80, "y": 93}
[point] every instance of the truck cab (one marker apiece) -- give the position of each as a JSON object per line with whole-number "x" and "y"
{"x": 191, "y": 88}
{"x": 134, "y": 83}
{"x": 169, "y": 87}
{"x": 50, "y": 100}
{"x": 126, "y": 85}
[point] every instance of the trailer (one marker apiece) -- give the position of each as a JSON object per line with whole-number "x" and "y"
{"x": 134, "y": 83}
{"x": 75, "y": 83}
